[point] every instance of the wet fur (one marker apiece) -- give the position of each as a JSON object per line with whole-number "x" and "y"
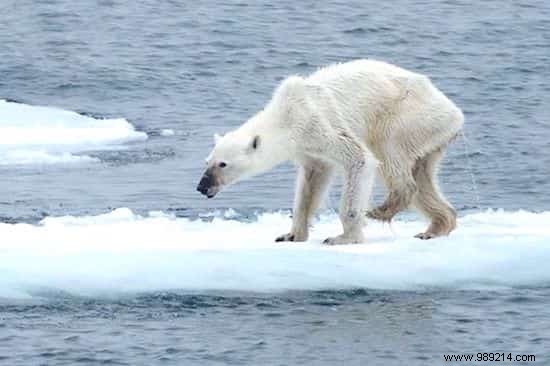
{"x": 405, "y": 142}
{"x": 357, "y": 119}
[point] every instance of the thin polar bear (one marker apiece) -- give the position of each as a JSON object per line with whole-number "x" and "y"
{"x": 359, "y": 119}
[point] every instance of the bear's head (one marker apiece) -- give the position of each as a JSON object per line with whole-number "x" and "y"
{"x": 235, "y": 156}
{"x": 261, "y": 143}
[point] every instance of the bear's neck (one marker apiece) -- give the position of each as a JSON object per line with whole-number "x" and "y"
{"x": 276, "y": 142}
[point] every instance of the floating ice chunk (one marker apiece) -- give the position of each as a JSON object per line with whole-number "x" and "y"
{"x": 121, "y": 251}
{"x": 46, "y": 135}
{"x": 167, "y": 132}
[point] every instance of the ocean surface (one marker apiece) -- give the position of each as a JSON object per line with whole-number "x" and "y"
{"x": 108, "y": 255}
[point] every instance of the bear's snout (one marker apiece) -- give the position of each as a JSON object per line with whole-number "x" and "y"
{"x": 206, "y": 185}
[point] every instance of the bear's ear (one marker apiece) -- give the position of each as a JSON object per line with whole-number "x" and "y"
{"x": 217, "y": 138}
{"x": 255, "y": 143}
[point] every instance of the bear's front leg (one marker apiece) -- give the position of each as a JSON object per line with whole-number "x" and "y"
{"x": 311, "y": 184}
{"x": 359, "y": 179}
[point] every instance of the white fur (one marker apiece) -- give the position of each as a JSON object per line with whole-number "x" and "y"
{"x": 350, "y": 118}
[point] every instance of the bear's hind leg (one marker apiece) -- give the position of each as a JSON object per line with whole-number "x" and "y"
{"x": 429, "y": 200}
{"x": 311, "y": 185}
{"x": 402, "y": 188}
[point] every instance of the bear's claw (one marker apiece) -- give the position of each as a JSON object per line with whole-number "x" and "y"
{"x": 341, "y": 239}
{"x": 426, "y": 236}
{"x": 380, "y": 214}
{"x": 285, "y": 237}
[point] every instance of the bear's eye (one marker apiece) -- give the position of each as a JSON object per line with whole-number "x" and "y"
{"x": 222, "y": 164}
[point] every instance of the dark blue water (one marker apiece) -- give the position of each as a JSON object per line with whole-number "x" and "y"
{"x": 358, "y": 327}
{"x": 205, "y": 67}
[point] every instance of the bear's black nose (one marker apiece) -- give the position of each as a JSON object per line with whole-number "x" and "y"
{"x": 205, "y": 183}
{"x": 201, "y": 189}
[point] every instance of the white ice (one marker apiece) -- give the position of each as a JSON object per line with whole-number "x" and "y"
{"x": 167, "y": 132}
{"x": 47, "y": 135}
{"x": 123, "y": 252}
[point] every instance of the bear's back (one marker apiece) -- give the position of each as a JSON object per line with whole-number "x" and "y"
{"x": 364, "y": 68}
{"x": 371, "y": 83}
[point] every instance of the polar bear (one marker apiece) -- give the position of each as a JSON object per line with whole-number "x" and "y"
{"x": 359, "y": 119}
